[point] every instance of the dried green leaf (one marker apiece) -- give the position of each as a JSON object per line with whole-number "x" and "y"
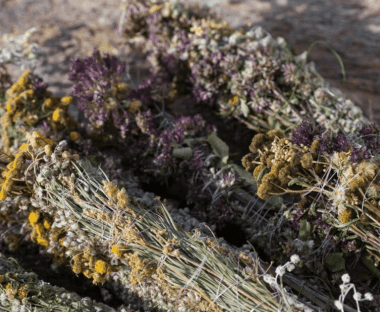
{"x": 335, "y": 262}
{"x": 219, "y": 147}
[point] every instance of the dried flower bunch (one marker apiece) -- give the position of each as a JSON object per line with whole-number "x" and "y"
{"x": 315, "y": 162}
{"x": 28, "y": 104}
{"x": 22, "y": 291}
{"x": 83, "y": 219}
{"x": 246, "y": 74}
{"x": 100, "y": 94}
{"x": 101, "y": 230}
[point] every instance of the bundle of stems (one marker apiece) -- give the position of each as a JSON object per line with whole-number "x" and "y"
{"x": 347, "y": 185}
{"x": 22, "y": 291}
{"x": 246, "y": 74}
{"x": 85, "y": 220}
{"x": 196, "y": 139}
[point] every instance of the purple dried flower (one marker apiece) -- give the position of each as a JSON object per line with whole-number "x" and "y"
{"x": 92, "y": 76}
{"x": 39, "y": 87}
{"x": 306, "y": 133}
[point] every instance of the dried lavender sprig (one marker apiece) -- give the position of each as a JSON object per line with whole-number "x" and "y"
{"x": 22, "y": 291}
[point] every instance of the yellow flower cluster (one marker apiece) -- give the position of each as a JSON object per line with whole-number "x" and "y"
{"x": 351, "y": 180}
{"x": 214, "y": 25}
{"x": 91, "y": 266}
{"x": 23, "y": 103}
{"x": 234, "y": 100}
{"x": 280, "y": 161}
{"x": 13, "y": 171}
{"x": 134, "y": 107}
{"x": 155, "y": 8}
{"x": 41, "y": 225}
{"x": 12, "y": 290}
{"x": 198, "y": 30}
{"x": 116, "y": 197}
{"x": 140, "y": 269}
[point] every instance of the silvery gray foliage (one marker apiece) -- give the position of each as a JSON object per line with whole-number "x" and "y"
{"x": 20, "y": 51}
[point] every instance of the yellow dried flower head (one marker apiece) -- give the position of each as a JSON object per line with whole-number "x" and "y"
{"x": 23, "y": 147}
{"x": 346, "y": 215}
{"x": 283, "y": 175}
{"x": 110, "y": 189}
{"x": 314, "y": 148}
{"x": 74, "y": 136}
{"x": 43, "y": 242}
{"x": 307, "y": 161}
{"x": 274, "y": 133}
{"x": 368, "y": 169}
{"x": 122, "y": 199}
{"x": 10, "y": 291}
{"x": 33, "y": 217}
{"x": 276, "y": 166}
{"x": 2, "y": 279}
{"x": 77, "y": 268}
{"x": 122, "y": 87}
{"x": 155, "y": 8}
{"x": 58, "y": 114}
{"x": 48, "y": 150}
{"x": 116, "y": 250}
{"x": 246, "y": 161}
{"x": 49, "y": 103}
{"x": 66, "y": 100}
{"x": 87, "y": 273}
{"x": 40, "y": 230}
{"x": 266, "y": 187}
{"x": 101, "y": 266}
{"x": 11, "y": 106}
{"x": 234, "y": 100}
{"x": 3, "y": 194}
{"x": 258, "y": 170}
{"x": 134, "y": 107}
{"x": 38, "y": 140}
{"x": 47, "y": 222}
{"x": 269, "y": 159}
{"x": 257, "y": 142}
{"x": 198, "y": 30}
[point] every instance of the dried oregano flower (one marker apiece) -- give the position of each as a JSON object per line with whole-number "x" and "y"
{"x": 246, "y": 73}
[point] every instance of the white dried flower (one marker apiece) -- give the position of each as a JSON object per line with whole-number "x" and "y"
{"x": 280, "y": 270}
{"x": 368, "y": 296}
{"x": 339, "y": 305}
{"x": 269, "y": 279}
{"x": 291, "y": 267}
{"x": 357, "y": 296}
{"x": 346, "y": 278}
{"x": 295, "y": 259}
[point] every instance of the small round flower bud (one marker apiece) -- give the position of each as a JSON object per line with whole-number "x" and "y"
{"x": 346, "y": 278}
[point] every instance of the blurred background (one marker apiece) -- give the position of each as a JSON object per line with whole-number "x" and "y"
{"x": 71, "y": 28}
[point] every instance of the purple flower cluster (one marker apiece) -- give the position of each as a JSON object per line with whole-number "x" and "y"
{"x": 371, "y": 138}
{"x": 39, "y": 86}
{"x": 308, "y": 131}
{"x": 92, "y": 77}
